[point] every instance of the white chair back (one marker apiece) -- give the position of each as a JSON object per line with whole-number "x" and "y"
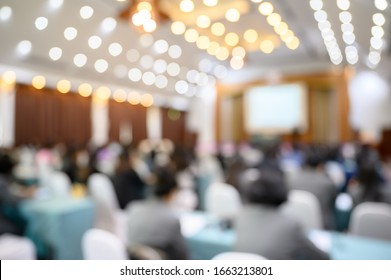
{"x": 238, "y": 256}
{"x": 371, "y": 219}
{"x": 223, "y": 201}
{"x": 304, "y": 207}
{"x": 98, "y": 244}
{"x": 59, "y": 184}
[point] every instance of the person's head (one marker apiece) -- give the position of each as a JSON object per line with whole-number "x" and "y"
{"x": 165, "y": 183}
{"x": 314, "y": 157}
{"x": 367, "y": 167}
{"x": 6, "y": 164}
{"x": 268, "y": 188}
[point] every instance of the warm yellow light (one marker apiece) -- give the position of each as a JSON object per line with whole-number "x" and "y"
{"x": 38, "y": 82}
{"x": 178, "y": 27}
{"x": 232, "y": 15}
{"x": 239, "y": 52}
{"x": 119, "y": 95}
{"x": 287, "y": 36}
{"x": 9, "y": 77}
{"x": 203, "y": 21}
{"x": 236, "y": 63}
{"x": 274, "y": 19}
{"x": 186, "y": 6}
{"x": 213, "y": 46}
{"x": 267, "y": 46}
{"x": 218, "y": 29}
{"x": 222, "y": 53}
{"x": 103, "y": 93}
{"x": 231, "y": 39}
{"x": 85, "y": 89}
{"x": 63, "y": 86}
{"x": 265, "y": 8}
{"x": 294, "y": 44}
{"x": 149, "y": 25}
{"x": 144, "y": 6}
{"x": 134, "y": 97}
{"x": 146, "y": 100}
{"x": 250, "y": 36}
{"x": 210, "y": 3}
{"x": 203, "y": 42}
{"x": 191, "y": 35}
{"x": 281, "y": 28}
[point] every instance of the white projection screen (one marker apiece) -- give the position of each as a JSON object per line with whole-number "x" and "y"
{"x": 276, "y": 109}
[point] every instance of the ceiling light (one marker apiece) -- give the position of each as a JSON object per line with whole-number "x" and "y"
{"x": 222, "y": 53}
{"x": 5, "y": 13}
{"x": 267, "y": 46}
{"x": 345, "y": 17}
{"x": 94, "y": 42}
{"x": 191, "y": 35}
{"x": 115, "y": 49}
{"x": 161, "y": 81}
{"x": 146, "y": 100}
{"x": 236, "y": 63}
{"x": 239, "y": 52}
{"x": 378, "y": 19}
{"x": 232, "y": 15}
{"x": 348, "y": 38}
{"x": 146, "y": 61}
{"x": 281, "y": 28}
{"x": 101, "y": 65}
{"x": 181, "y": 86}
{"x": 203, "y": 42}
{"x": 175, "y": 51}
{"x": 146, "y": 40}
{"x": 250, "y": 36}
{"x": 109, "y": 24}
{"x": 148, "y": 78}
{"x": 134, "y": 74}
{"x": 85, "y": 89}
{"x": 41, "y": 23}
{"x": 343, "y": 4}
{"x": 55, "y": 53}
{"x": 86, "y": 12}
{"x": 55, "y": 4}
{"x": 347, "y": 27}
{"x": 178, "y": 27}
{"x": 203, "y": 21}
{"x": 134, "y": 97}
{"x": 120, "y": 95}
{"x": 150, "y": 25}
{"x": 80, "y": 60}
{"x": 320, "y": 16}
{"x": 63, "y": 86}
{"x": 103, "y": 93}
{"x": 274, "y": 19}
{"x": 186, "y": 6}
{"x": 213, "y": 46}
{"x": 377, "y": 31}
{"x": 202, "y": 79}
{"x": 70, "y": 33}
{"x": 120, "y": 71}
{"x": 132, "y": 55}
{"x": 160, "y": 66}
{"x": 191, "y": 76}
{"x": 24, "y": 47}
{"x": 9, "y": 77}
{"x": 231, "y": 39}
{"x": 218, "y": 29}
{"x": 38, "y": 82}
{"x": 161, "y": 46}
{"x": 220, "y": 71}
{"x": 377, "y": 43}
{"x": 316, "y": 4}
{"x": 374, "y": 57}
{"x": 381, "y": 4}
{"x": 293, "y": 44}
{"x": 144, "y": 6}
{"x": 265, "y": 8}
{"x": 205, "y": 65}
{"x": 173, "y": 69}
{"x": 210, "y": 3}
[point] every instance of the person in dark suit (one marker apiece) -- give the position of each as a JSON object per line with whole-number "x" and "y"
{"x": 153, "y": 223}
{"x": 262, "y": 229}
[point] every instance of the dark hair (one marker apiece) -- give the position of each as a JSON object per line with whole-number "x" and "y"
{"x": 6, "y": 164}
{"x": 269, "y": 188}
{"x": 165, "y": 182}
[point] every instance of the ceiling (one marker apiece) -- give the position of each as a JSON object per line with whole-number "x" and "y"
{"x": 196, "y": 68}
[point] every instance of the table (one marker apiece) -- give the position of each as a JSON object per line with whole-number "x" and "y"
{"x": 56, "y": 226}
{"x": 212, "y": 240}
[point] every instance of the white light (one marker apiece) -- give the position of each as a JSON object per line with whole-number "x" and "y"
{"x": 146, "y": 61}
{"x": 377, "y": 31}
{"x": 343, "y": 4}
{"x": 205, "y": 65}
{"x": 381, "y": 4}
{"x": 220, "y": 71}
{"x": 173, "y": 69}
{"x": 24, "y": 47}
{"x": 5, "y": 13}
{"x": 347, "y": 27}
{"x": 192, "y": 76}
{"x": 186, "y": 6}
{"x": 86, "y": 12}
{"x": 232, "y": 15}
{"x": 80, "y": 60}
{"x": 345, "y": 17}
{"x": 146, "y": 40}
{"x": 55, "y": 53}
{"x": 120, "y": 71}
{"x": 374, "y": 57}
{"x": 149, "y": 25}
{"x": 101, "y": 65}
{"x": 70, "y": 33}
{"x": 377, "y": 43}
{"x": 41, "y": 23}
{"x": 109, "y": 24}
{"x": 94, "y": 42}
{"x": 352, "y": 59}
{"x": 316, "y": 5}
{"x": 337, "y": 60}
{"x": 161, "y": 81}
{"x": 181, "y": 86}
{"x": 160, "y": 46}
{"x": 324, "y": 25}
{"x": 149, "y": 78}
{"x": 134, "y": 74}
{"x": 202, "y": 79}
{"x": 132, "y": 55}
{"x": 348, "y": 38}
{"x": 210, "y": 3}
{"x": 160, "y": 66}
{"x": 115, "y": 49}
{"x": 320, "y": 16}
{"x": 55, "y": 4}
{"x": 236, "y": 63}
{"x": 378, "y": 19}
{"x": 175, "y": 51}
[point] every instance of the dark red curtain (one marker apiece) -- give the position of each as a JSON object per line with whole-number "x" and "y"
{"x": 47, "y": 116}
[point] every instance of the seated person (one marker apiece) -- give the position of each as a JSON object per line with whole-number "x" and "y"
{"x": 153, "y": 223}
{"x": 263, "y": 230}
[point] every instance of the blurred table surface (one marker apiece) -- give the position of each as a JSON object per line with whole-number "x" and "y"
{"x": 211, "y": 239}
{"x": 57, "y": 225}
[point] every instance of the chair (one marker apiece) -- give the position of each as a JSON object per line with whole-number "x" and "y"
{"x": 109, "y": 216}
{"x": 59, "y": 184}
{"x": 99, "y": 244}
{"x": 144, "y": 252}
{"x": 238, "y": 256}
{"x": 304, "y": 207}
{"x": 371, "y": 219}
{"x": 223, "y": 201}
